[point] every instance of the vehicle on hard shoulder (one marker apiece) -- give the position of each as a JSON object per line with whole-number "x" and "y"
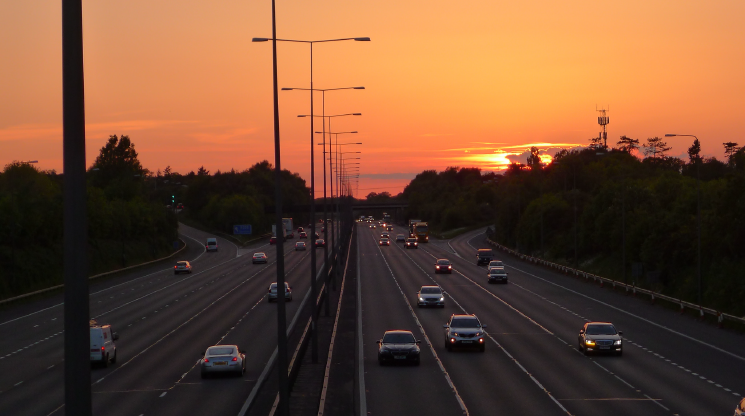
{"x": 273, "y": 292}
{"x": 103, "y": 349}
{"x": 398, "y": 346}
{"x": 464, "y": 331}
{"x": 443, "y": 266}
{"x": 259, "y": 258}
{"x": 211, "y": 244}
{"x": 411, "y": 243}
{"x": 222, "y": 359}
{"x": 600, "y": 337}
{"x": 484, "y": 256}
{"x": 430, "y": 296}
{"x": 182, "y": 267}
{"x": 497, "y": 275}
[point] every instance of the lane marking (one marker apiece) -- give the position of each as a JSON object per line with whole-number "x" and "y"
{"x": 360, "y": 349}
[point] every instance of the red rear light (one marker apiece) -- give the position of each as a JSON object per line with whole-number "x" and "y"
{"x": 102, "y": 349}
{"x": 206, "y": 360}
{"x": 235, "y": 359}
{"x": 175, "y": 267}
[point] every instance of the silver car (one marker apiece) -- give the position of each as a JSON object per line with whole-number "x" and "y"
{"x": 273, "y": 292}
{"x": 464, "y": 331}
{"x": 431, "y": 296}
{"x": 495, "y": 263}
{"x": 300, "y": 245}
{"x": 182, "y": 267}
{"x": 223, "y": 359}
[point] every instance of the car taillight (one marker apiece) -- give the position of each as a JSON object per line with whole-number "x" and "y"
{"x": 235, "y": 359}
{"x": 102, "y": 349}
{"x": 206, "y": 360}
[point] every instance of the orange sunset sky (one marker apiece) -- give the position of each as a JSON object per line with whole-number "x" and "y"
{"x": 447, "y": 83}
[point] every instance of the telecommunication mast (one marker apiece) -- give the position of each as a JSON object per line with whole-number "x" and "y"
{"x": 603, "y": 120}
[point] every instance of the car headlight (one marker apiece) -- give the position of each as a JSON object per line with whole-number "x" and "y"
{"x": 441, "y": 299}
{"x": 421, "y": 299}
{"x": 618, "y": 342}
{"x": 455, "y": 334}
{"x": 589, "y": 342}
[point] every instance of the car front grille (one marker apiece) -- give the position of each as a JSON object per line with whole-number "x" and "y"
{"x": 467, "y": 335}
{"x": 604, "y": 342}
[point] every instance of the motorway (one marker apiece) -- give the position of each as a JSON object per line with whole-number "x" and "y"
{"x": 672, "y": 364}
{"x": 164, "y": 322}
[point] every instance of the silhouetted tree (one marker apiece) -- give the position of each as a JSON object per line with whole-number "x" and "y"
{"x": 694, "y": 152}
{"x": 534, "y": 160}
{"x": 656, "y": 147}
{"x": 627, "y": 144}
{"x": 730, "y": 148}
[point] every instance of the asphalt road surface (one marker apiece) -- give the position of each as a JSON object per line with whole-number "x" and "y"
{"x": 672, "y": 364}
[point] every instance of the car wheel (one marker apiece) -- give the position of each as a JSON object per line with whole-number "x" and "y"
{"x": 113, "y": 360}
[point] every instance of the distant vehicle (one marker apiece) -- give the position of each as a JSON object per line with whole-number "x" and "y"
{"x": 182, "y": 267}
{"x": 300, "y": 245}
{"x": 290, "y": 234}
{"x": 385, "y": 235}
{"x": 443, "y": 266}
{"x": 387, "y": 217}
{"x": 372, "y": 226}
{"x": 300, "y": 229}
{"x": 316, "y": 236}
{"x": 484, "y": 256}
{"x": 599, "y": 337}
{"x": 495, "y": 263}
{"x": 384, "y": 241}
{"x": 259, "y": 258}
{"x": 411, "y": 243}
{"x": 273, "y": 240}
{"x": 103, "y": 350}
{"x": 389, "y": 227}
{"x": 211, "y": 244}
{"x": 421, "y": 232}
{"x": 466, "y": 331}
{"x": 411, "y": 225}
{"x": 273, "y": 292}
{"x": 303, "y": 234}
{"x": 740, "y": 409}
{"x": 320, "y": 243}
{"x": 398, "y": 346}
{"x": 289, "y": 228}
{"x": 223, "y": 359}
{"x": 430, "y": 296}
{"x": 497, "y": 275}
{"x": 179, "y": 206}
{"x": 400, "y": 238}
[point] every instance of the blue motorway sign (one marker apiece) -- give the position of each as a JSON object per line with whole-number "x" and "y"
{"x": 242, "y": 229}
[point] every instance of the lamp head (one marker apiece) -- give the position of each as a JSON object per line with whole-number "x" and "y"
{"x": 259, "y": 40}
{"x": 670, "y": 135}
{"x": 358, "y": 88}
{"x": 356, "y": 114}
{"x": 365, "y": 39}
{"x": 287, "y": 89}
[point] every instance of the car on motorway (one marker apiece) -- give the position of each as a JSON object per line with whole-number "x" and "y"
{"x": 412, "y": 243}
{"x": 320, "y": 243}
{"x": 300, "y": 245}
{"x": 290, "y": 234}
{"x": 484, "y": 256}
{"x": 386, "y": 235}
{"x": 430, "y": 296}
{"x": 182, "y": 267}
{"x": 389, "y": 227}
{"x": 494, "y": 263}
{"x": 316, "y": 236}
{"x": 222, "y": 359}
{"x": 443, "y": 266}
{"x": 272, "y": 240}
{"x": 497, "y": 275}
{"x": 599, "y": 337}
{"x": 384, "y": 241}
{"x": 273, "y": 292}
{"x": 740, "y": 409}
{"x": 398, "y": 346}
{"x": 259, "y": 258}
{"x": 211, "y": 244}
{"x": 300, "y": 229}
{"x": 103, "y": 349}
{"x": 179, "y": 206}
{"x": 400, "y": 238}
{"x": 303, "y": 234}
{"x": 372, "y": 226}
{"x": 464, "y": 331}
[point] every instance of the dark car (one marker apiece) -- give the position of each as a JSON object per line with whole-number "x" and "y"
{"x": 303, "y": 234}
{"x": 179, "y": 206}
{"x": 484, "y": 256}
{"x": 316, "y": 235}
{"x": 398, "y": 346}
{"x": 599, "y": 337}
{"x": 320, "y": 242}
{"x": 273, "y": 240}
{"x": 400, "y": 238}
{"x": 497, "y": 275}
{"x": 443, "y": 266}
{"x": 412, "y": 243}
{"x": 300, "y": 229}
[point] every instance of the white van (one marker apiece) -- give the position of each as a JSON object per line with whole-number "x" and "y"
{"x": 103, "y": 350}
{"x": 211, "y": 244}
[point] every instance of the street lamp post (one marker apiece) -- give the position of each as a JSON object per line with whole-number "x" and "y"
{"x": 698, "y": 212}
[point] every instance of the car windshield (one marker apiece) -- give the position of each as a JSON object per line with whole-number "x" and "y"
{"x": 497, "y": 270}
{"x": 259, "y": 255}
{"x": 601, "y": 330}
{"x": 496, "y": 263}
{"x": 464, "y": 323}
{"x": 274, "y": 286}
{"x": 411, "y": 240}
{"x": 485, "y": 253}
{"x": 399, "y": 338}
{"x": 220, "y": 351}
{"x": 181, "y": 263}
{"x": 443, "y": 262}
{"x": 430, "y": 290}
{"x": 211, "y": 243}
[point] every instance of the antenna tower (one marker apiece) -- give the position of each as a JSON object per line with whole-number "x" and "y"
{"x": 603, "y": 120}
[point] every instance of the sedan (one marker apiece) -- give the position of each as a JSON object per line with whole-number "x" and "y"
{"x": 273, "y": 240}
{"x": 386, "y": 235}
{"x": 303, "y": 234}
{"x": 430, "y": 296}
{"x": 599, "y": 337}
{"x": 320, "y": 243}
{"x": 384, "y": 242}
{"x": 182, "y": 267}
{"x": 300, "y": 229}
{"x": 400, "y": 238}
{"x": 411, "y": 243}
{"x": 223, "y": 359}
{"x": 372, "y": 226}
{"x": 443, "y": 266}
{"x": 398, "y": 346}
{"x": 273, "y": 292}
{"x": 300, "y": 245}
{"x": 259, "y": 258}
{"x": 497, "y": 275}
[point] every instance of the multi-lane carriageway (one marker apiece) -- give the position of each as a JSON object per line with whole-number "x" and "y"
{"x": 671, "y": 364}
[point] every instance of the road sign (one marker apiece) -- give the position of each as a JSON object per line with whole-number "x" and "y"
{"x": 242, "y": 229}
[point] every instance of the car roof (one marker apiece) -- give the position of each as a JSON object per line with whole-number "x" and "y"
{"x": 398, "y": 331}
{"x": 430, "y": 287}
{"x": 439, "y": 260}
{"x": 261, "y": 253}
{"x": 485, "y": 249}
{"x": 463, "y": 316}
{"x": 598, "y": 323}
